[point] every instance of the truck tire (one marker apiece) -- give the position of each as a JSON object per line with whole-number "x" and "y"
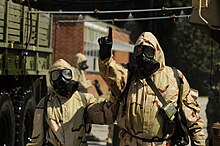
{"x": 24, "y": 104}
{"x": 7, "y": 121}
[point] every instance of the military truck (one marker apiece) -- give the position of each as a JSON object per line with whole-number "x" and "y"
{"x": 205, "y": 16}
{"x": 25, "y": 57}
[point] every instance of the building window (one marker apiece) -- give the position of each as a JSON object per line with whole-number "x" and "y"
{"x": 92, "y": 32}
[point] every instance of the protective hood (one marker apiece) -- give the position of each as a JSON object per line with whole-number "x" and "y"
{"x": 62, "y": 64}
{"x": 78, "y": 59}
{"x": 148, "y": 39}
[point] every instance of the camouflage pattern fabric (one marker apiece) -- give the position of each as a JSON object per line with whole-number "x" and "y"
{"x": 66, "y": 116}
{"x": 141, "y": 118}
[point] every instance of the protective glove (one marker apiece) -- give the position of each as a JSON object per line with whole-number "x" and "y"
{"x": 105, "y": 45}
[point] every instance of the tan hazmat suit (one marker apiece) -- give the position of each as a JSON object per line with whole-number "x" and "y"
{"x": 141, "y": 118}
{"x": 66, "y": 116}
{"x": 84, "y": 84}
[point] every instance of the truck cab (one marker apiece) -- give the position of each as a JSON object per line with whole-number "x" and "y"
{"x": 205, "y": 16}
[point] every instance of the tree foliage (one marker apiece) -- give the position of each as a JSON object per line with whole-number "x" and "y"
{"x": 184, "y": 46}
{"x": 193, "y": 52}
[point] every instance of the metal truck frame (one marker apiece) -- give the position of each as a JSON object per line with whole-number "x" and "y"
{"x": 25, "y": 57}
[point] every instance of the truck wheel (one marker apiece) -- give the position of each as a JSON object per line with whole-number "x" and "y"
{"x": 7, "y": 121}
{"x": 24, "y": 104}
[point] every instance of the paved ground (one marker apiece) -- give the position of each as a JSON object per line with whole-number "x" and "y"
{"x": 101, "y": 131}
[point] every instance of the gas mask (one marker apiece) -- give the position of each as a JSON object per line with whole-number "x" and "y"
{"x": 62, "y": 82}
{"x": 145, "y": 59}
{"x": 83, "y": 65}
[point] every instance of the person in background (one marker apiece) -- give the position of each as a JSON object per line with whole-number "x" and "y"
{"x": 80, "y": 65}
{"x": 213, "y": 105}
{"x": 61, "y": 116}
{"x": 139, "y": 116}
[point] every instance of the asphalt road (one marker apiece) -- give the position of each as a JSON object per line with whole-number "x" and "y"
{"x": 101, "y": 131}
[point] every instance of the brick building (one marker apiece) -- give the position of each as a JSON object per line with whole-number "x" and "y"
{"x": 71, "y": 37}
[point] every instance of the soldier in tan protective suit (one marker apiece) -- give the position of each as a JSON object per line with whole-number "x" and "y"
{"x": 138, "y": 116}
{"x": 68, "y": 111}
{"x": 80, "y": 64}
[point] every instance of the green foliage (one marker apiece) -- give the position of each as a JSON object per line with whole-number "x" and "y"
{"x": 185, "y": 46}
{"x": 171, "y": 3}
{"x": 193, "y": 52}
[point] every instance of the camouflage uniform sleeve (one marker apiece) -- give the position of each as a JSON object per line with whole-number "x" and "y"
{"x": 38, "y": 131}
{"x": 102, "y": 110}
{"x": 115, "y": 75}
{"x": 191, "y": 112}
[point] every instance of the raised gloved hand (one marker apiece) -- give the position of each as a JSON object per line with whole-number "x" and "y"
{"x": 105, "y": 45}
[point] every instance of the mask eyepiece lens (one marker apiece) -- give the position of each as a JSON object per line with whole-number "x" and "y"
{"x": 137, "y": 50}
{"x": 67, "y": 74}
{"x": 149, "y": 51}
{"x": 55, "y": 75}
